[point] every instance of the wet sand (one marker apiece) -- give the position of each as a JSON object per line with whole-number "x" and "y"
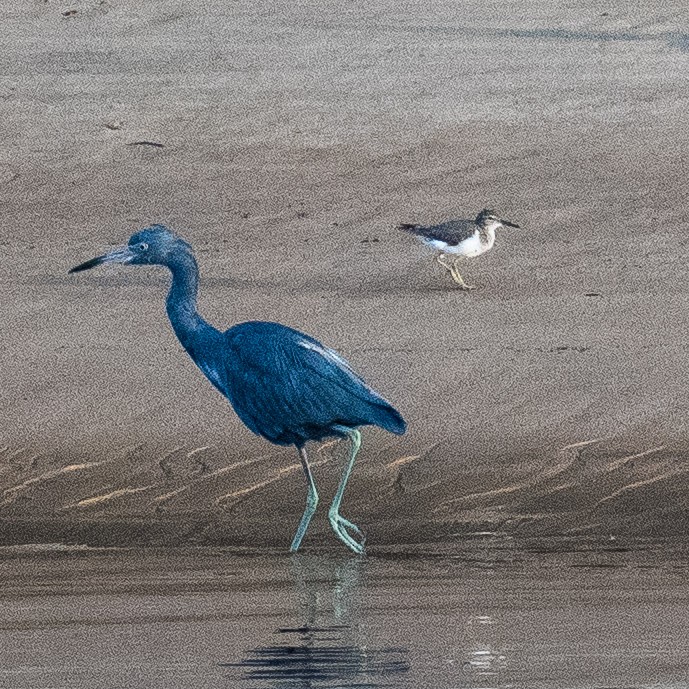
{"x": 489, "y": 616}
{"x": 550, "y": 401}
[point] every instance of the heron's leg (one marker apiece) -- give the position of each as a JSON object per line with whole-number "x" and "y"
{"x": 454, "y": 271}
{"x": 339, "y": 523}
{"x": 311, "y": 501}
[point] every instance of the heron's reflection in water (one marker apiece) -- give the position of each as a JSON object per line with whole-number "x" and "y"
{"x": 327, "y": 648}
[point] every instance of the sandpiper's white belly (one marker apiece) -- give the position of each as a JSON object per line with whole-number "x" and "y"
{"x": 470, "y": 247}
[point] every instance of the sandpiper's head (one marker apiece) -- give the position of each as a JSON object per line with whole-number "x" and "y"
{"x": 487, "y": 218}
{"x": 154, "y": 245}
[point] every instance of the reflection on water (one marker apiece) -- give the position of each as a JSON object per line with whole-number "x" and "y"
{"x": 486, "y": 664}
{"x": 317, "y": 656}
{"x": 328, "y": 648}
{"x": 215, "y": 620}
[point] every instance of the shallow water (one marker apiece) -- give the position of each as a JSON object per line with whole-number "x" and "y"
{"x": 490, "y": 616}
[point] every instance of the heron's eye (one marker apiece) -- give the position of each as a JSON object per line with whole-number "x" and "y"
{"x": 143, "y": 246}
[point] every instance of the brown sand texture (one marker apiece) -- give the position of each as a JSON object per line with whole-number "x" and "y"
{"x": 293, "y": 138}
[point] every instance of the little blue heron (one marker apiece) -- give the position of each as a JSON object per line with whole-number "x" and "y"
{"x": 461, "y": 238}
{"x": 284, "y": 385}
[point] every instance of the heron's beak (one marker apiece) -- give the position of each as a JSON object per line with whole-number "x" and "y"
{"x": 123, "y": 255}
{"x": 507, "y": 223}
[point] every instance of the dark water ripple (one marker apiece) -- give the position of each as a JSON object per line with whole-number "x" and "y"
{"x": 318, "y": 656}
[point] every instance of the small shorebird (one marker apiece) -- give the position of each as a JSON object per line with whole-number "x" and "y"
{"x": 460, "y": 238}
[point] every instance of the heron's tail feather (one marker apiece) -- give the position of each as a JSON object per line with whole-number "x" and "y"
{"x": 387, "y": 417}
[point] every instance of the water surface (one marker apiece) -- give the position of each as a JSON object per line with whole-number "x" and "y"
{"x": 489, "y": 616}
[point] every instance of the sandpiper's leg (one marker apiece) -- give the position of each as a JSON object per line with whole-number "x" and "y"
{"x": 441, "y": 260}
{"x": 311, "y": 502}
{"x": 339, "y": 523}
{"x": 454, "y": 271}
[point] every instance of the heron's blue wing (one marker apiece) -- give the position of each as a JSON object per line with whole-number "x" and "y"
{"x": 289, "y": 388}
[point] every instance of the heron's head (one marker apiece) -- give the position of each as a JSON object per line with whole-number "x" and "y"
{"x": 488, "y": 218}
{"x": 154, "y": 245}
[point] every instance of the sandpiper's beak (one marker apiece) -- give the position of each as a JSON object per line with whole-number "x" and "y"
{"x": 507, "y": 223}
{"x": 123, "y": 255}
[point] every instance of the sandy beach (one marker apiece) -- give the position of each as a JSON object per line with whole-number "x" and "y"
{"x": 292, "y": 139}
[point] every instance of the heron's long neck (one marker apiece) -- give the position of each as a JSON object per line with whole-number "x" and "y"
{"x": 181, "y": 300}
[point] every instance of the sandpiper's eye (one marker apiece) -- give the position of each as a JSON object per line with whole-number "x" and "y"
{"x": 143, "y": 246}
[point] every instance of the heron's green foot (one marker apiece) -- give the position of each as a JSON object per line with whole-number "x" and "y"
{"x": 311, "y": 504}
{"x": 349, "y": 525}
{"x": 340, "y": 526}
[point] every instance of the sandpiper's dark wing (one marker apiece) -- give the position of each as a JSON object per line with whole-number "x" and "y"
{"x": 451, "y": 232}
